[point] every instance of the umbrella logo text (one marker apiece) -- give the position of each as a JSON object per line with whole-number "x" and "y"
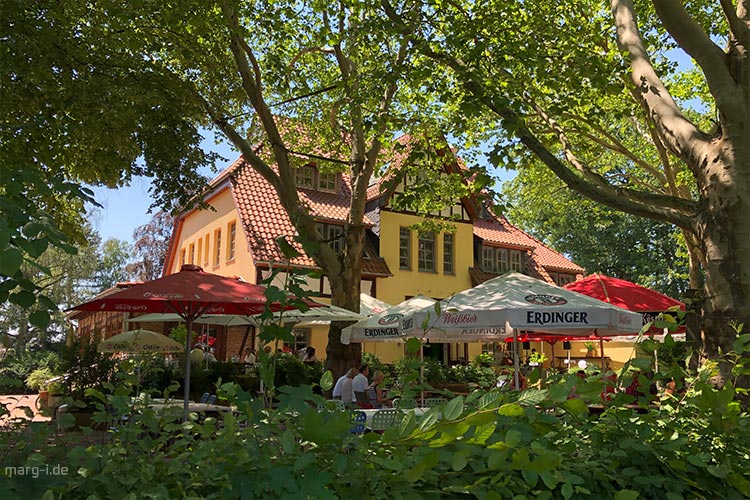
{"x": 544, "y": 299}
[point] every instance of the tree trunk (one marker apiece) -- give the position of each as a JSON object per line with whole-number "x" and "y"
{"x": 723, "y": 229}
{"x": 345, "y": 290}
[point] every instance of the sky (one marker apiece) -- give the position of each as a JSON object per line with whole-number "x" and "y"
{"x": 126, "y": 208}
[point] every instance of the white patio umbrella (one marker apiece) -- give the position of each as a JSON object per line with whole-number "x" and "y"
{"x": 140, "y": 342}
{"x": 515, "y": 301}
{"x": 316, "y": 315}
{"x": 385, "y": 326}
{"x": 502, "y": 306}
{"x": 370, "y": 306}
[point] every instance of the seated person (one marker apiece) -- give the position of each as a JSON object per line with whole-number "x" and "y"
{"x": 339, "y": 388}
{"x": 249, "y": 356}
{"x": 377, "y": 392}
{"x": 310, "y": 357}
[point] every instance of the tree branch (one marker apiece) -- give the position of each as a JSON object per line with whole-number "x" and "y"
{"x": 691, "y": 37}
{"x": 738, "y": 28}
{"x": 676, "y": 132}
{"x": 665, "y": 208}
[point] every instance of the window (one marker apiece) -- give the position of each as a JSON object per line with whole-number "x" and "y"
{"x": 301, "y": 338}
{"x": 448, "y": 253}
{"x": 305, "y": 177}
{"x": 200, "y": 252}
{"x": 217, "y": 247}
{"x": 332, "y": 234}
{"x": 562, "y": 278}
{"x": 404, "y": 248}
{"x": 232, "y": 232}
{"x": 515, "y": 261}
{"x": 182, "y": 257}
{"x": 327, "y": 182}
{"x": 501, "y": 260}
{"x": 192, "y": 253}
{"x": 488, "y": 258}
{"x": 207, "y": 252}
{"x": 426, "y": 254}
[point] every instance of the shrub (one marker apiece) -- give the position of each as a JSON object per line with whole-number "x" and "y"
{"x": 19, "y": 366}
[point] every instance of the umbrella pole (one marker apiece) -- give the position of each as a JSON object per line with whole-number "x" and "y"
{"x": 186, "y": 393}
{"x": 601, "y": 352}
{"x": 516, "y": 362}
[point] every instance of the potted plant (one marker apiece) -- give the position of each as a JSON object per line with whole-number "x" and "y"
{"x": 537, "y": 358}
{"x": 38, "y": 381}
{"x": 84, "y": 369}
{"x": 590, "y": 349}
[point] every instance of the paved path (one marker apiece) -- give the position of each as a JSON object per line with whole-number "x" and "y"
{"x": 16, "y": 404}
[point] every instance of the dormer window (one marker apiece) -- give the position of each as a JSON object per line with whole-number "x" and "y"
{"x": 501, "y": 260}
{"x": 327, "y": 182}
{"x": 309, "y": 177}
{"x": 305, "y": 177}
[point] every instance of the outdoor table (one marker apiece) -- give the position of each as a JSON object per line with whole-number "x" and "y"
{"x": 176, "y": 405}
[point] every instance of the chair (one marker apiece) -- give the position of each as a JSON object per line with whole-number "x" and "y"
{"x": 204, "y": 398}
{"x": 211, "y": 399}
{"x": 432, "y": 402}
{"x": 359, "y": 418}
{"x": 404, "y": 404}
{"x": 332, "y": 404}
{"x": 385, "y": 419}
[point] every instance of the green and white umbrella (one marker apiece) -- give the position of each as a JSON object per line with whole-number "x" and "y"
{"x": 140, "y": 342}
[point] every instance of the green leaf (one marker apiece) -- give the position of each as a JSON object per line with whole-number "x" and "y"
{"x": 576, "y": 407}
{"x": 40, "y": 319}
{"x": 454, "y": 408}
{"x": 23, "y": 299}
{"x": 326, "y": 380}
{"x": 566, "y": 490}
{"x": 626, "y": 495}
{"x": 10, "y": 261}
{"x": 288, "y": 443}
{"x": 413, "y": 345}
{"x": 460, "y": 459}
{"x": 286, "y": 248}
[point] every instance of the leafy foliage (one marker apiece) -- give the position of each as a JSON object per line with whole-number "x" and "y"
{"x": 489, "y": 444}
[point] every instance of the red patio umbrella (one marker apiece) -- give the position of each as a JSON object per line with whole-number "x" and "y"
{"x": 623, "y": 293}
{"x": 191, "y": 293}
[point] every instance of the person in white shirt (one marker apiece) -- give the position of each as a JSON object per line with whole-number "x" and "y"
{"x": 338, "y": 389}
{"x": 249, "y": 356}
{"x": 360, "y": 385}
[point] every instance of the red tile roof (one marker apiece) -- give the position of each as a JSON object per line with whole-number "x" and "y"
{"x": 502, "y": 233}
{"x": 264, "y": 218}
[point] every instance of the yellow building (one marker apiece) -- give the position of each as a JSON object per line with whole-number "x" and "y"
{"x": 238, "y": 238}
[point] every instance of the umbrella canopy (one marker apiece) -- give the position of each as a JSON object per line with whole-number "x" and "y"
{"x": 322, "y": 313}
{"x": 520, "y": 302}
{"x": 190, "y": 293}
{"x": 140, "y": 342}
{"x": 208, "y": 319}
{"x": 385, "y": 326}
{"x": 370, "y": 306}
{"x": 623, "y": 293}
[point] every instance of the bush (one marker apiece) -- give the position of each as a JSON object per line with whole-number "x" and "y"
{"x": 19, "y": 366}
{"x": 490, "y": 444}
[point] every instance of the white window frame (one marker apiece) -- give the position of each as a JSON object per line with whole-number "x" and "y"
{"x": 426, "y": 252}
{"x": 304, "y": 177}
{"x": 327, "y": 181}
{"x": 449, "y": 245}
{"x": 404, "y": 248}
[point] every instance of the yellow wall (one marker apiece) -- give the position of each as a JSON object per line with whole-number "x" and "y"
{"x": 408, "y": 283}
{"x": 199, "y": 225}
